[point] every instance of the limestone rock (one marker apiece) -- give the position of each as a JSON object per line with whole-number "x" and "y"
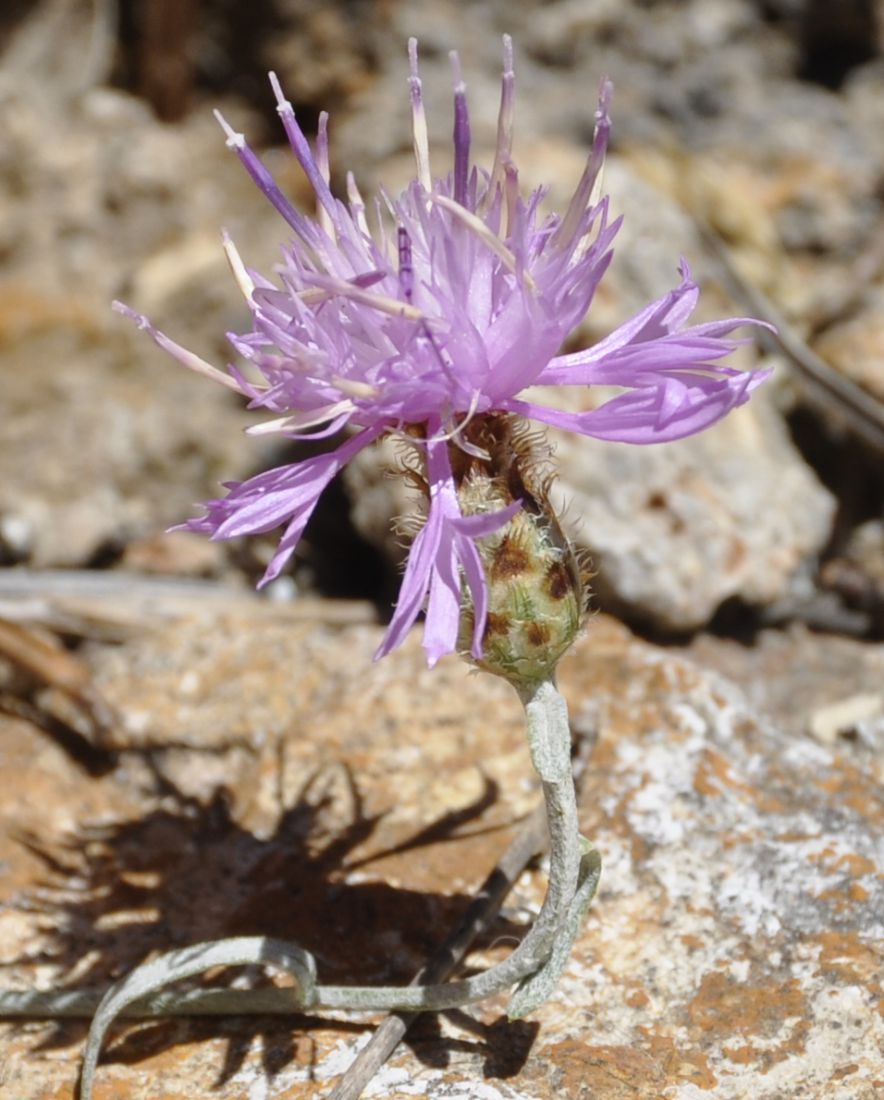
{"x": 675, "y": 530}
{"x": 104, "y": 438}
{"x": 97, "y": 450}
{"x": 278, "y": 782}
{"x": 855, "y": 346}
{"x": 810, "y": 683}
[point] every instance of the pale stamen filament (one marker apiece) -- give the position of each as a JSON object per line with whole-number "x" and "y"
{"x": 185, "y": 358}
{"x": 505, "y": 118}
{"x": 454, "y": 433}
{"x": 322, "y": 163}
{"x": 357, "y": 205}
{"x": 491, "y": 240}
{"x": 590, "y": 182}
{"x": 511, "y": 196}
{"x": 242, "y": 277}
{"x": 340, "y": 288}
{"x": 419, "y": 120}
{"x": 235, "y": 140}
{"x": 354, "y": 388}
{"x": 295, "y": 422}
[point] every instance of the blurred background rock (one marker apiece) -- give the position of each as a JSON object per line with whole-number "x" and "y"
{"x": 762, "y": 120}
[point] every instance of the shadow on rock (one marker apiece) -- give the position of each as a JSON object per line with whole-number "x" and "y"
{"x": 186, "y": 871}
{"x": 502, "y": 1047}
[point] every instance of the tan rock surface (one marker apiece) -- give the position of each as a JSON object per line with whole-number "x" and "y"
{"x": 276, "y": 781}
{"x": 104, "y": 439}
{"x": 856, "y": 346}
{"x": 675, "y": 530}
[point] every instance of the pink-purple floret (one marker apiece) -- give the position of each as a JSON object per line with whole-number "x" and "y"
{"x": 456, "y": 303}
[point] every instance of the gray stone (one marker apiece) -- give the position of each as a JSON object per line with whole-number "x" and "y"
{"x": 676, "y": 529}
{"x": 855, "y": 345}
{"x": 104, "y": 438}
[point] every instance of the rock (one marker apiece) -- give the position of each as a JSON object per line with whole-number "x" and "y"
{"x": 104, "y": 438}
{"x": 847, "y": 717}
{"x": 675, "y": 530}
{"x": 858, "y": 573}
{"x": 855, "y": 346}
{"x": 328, "y": 50}
{"x": 279, "y": 782}
{"x": 103, "y": 441}
{"x": 809, "y": 683}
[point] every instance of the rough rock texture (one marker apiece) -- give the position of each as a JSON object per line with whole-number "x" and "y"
{"x": 719, "y": 77}
{"x": 825, "y": 686}
{"x": 856, "y": 345}
{"x": 277, "y": 781}
{"x": 70, "y": 492}
{"x": 104, "y": 440}
{"x": 673, "y": 531}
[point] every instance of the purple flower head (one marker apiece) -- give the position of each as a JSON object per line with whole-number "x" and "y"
{"x": 433, "y": 308}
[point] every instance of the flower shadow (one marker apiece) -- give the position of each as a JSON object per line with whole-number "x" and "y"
{"x": 186, "y": 870}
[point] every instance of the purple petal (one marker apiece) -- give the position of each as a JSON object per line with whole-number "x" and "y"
{"x": 443, "y": 604}
{"x": 474, "y": 574}
{"x": 261, "y": 177}
{"x": 485, "y": 523}
{"x": 665, "y": 315}
{"x": 414, "y": 585}
{"x": 652, "y": 415}
{"x": 270, "y": 498}
{"x": 461, "y": 133}
{"x": 646, "y": 363}
{"x": 444, "y": 547}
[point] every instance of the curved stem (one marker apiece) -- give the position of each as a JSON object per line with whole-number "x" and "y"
{"x": 549, "y": 737}
{"x": 550, "y": 743}
{"x": 534, "y": 966}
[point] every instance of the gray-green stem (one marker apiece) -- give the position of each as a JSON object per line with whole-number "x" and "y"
{"x": 549, "y": 739}
{"x": 536, "y": 963}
